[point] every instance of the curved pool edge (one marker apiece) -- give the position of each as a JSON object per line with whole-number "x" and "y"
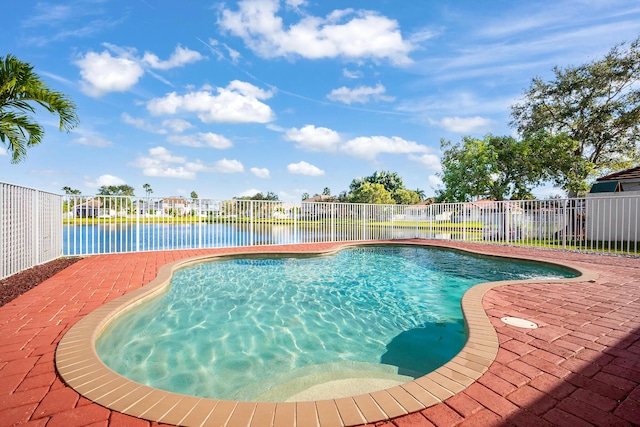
{"x": 80, "y": 367}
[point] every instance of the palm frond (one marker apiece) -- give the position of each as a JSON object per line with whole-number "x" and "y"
{"x": 20, "y": 90}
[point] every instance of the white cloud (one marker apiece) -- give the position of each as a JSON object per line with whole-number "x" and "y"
{"x": 275, "y": 128}
{"x": 422, "y": 35}
{"x": 228, "y": 166}
{"x": 141, "y": 124}
{"x": 3, "y": 152}
{"x": 118, "y": 69}
{"x": 431, "y": 161}
{"x": 464, "y": 124}
{"x": 261, "y": 172}
{"x": 304, "y": 168}
{"x": 179, "y": 57}
{"x": 179, "y": 172}
{"x": 163, "y": 163}
{"x": 49, "y": 15}
{"x": 293, "y": 195}
{"x": 234, "y": 55}
{"x": 369, "y": 147}
{"x": 164, "y": 155}
{"x": 53, "y": 23}
{"x": 106, "y": 180}
{"x": 201, "y": 139}
{"x": 249, "y": 90}
{"x": 360, "y": 94}
{"x": 295, "y": 3}
{"x": 454, "y": 102}
{"x": 102, "y": 73}
{"x": 312, "y": 138}
{"x": 177, "y": 125}
{"x": 249, "y": 193}
{"x": 57, "y": 78}
{"x": 239, "y": 102}
{"x": 93, "y": 141}
{"x": 351, "y": 74}
{"x": 353, "y": 35}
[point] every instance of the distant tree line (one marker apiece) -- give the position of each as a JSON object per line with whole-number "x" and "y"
{"x": 379, "y": 188}
{"x": 260, "y": 196}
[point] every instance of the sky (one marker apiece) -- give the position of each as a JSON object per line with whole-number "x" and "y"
{"x": 228, "y": 99}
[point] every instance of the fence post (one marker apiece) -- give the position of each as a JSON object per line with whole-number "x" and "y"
{"x": 431, "y": 221}
{"x": 393, "y": 223}
{"x": 251, "y": 226}
{"x": 364, "y": 222}
{"x": 507, "y": 218}
{"x": 137, "y": 225}
{"x": 564, "y": 224}
{"x": 333, "y": 222}
{"x": 36, "y": 231}
{"x": 464, "y": 222}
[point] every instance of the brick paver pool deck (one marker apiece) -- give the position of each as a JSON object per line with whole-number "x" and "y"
{"x": 580, "y": 367}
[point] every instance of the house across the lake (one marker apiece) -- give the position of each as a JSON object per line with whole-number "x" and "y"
{"x": 89, "y": 209}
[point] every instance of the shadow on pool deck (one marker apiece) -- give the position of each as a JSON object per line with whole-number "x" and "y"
{"x": 580, "y": 367}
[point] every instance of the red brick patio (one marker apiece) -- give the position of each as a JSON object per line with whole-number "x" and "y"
{"x": 580, "y": 367}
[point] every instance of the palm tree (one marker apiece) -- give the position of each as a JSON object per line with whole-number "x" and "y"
{"x": 70, "y": 202}
{"x": 147, "y": 189}
{"x": 72, "y": 191}
{"x": 20, "y": 88}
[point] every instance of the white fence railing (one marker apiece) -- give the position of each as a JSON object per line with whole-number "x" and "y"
{"x": 36, "y": 226}
{"x": 96, "y": 225}
{"x": 30, "y": 228}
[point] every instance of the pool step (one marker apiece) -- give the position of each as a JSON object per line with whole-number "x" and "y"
{"x": 319, "y": 380}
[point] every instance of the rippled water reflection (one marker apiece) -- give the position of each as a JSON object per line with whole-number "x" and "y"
{"x": 233, "y": 329}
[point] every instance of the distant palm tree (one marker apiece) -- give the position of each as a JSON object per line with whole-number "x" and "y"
{"x": 420, "y": 194}
{"x": 147, "y": 189}
{"x": 20, "y": 88}
{"x": 72, "y": 191}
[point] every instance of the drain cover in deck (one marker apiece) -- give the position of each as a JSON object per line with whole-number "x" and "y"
{"x": 519, "y": 323}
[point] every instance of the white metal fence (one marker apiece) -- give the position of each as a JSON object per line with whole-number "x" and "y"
{"x": 121, "y": 224}
{"x": 30, "y": 228}
{"x": 36, "y": 226}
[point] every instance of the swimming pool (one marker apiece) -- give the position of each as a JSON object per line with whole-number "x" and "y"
{"x": 267, "y": 328}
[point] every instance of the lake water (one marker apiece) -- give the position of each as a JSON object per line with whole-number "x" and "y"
{"x": 111, "y": 238}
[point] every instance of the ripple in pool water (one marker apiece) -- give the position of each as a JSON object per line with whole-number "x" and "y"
{"x": 268, "y": 328}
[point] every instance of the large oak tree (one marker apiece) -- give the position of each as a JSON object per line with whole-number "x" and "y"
{"x": 595, "y": 110}
{"x": 496, "y": 167}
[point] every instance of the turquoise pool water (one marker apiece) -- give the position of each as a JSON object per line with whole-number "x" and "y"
{"x": 242, "y": 328}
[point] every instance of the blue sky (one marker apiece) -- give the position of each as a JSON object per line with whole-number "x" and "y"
{"x": 228, "y": 99}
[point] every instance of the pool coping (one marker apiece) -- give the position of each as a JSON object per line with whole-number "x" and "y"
{"x": 80, "y": 367}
